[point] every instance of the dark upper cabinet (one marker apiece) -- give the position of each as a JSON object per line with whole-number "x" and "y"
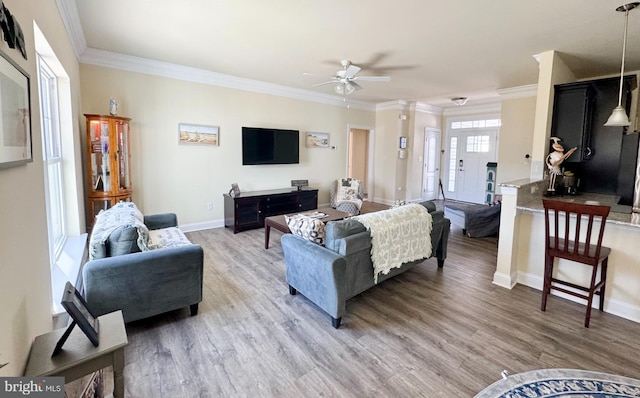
{"x": 605, "y": 161}
{"x": 572, "y": 112}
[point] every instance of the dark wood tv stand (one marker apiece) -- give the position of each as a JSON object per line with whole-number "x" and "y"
{"x": 249, "y": 209}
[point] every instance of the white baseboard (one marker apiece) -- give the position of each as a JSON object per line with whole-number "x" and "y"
{"x": 611, "y": 306}
{"x": 504, "y": 280}
{"x": 202, "y": 225}
{"x": 383, "y": 201}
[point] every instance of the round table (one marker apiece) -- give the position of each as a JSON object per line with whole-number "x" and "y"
{"x": 562, "y": 383}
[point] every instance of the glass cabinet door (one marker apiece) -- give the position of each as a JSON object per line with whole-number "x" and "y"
{"x": 100, "y": 168}
{"x": 124, "y": 157}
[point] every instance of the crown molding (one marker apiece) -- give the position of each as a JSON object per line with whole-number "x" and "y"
{"x": 131, "y": 63}
{"x": 399, "y": 105}
{"x": 530, "y": 90}
{"x": 71, "y": 20}
{"x": 426, "y": 108}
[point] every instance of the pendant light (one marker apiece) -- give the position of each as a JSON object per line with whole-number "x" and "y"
{"x": 619, "y": 116}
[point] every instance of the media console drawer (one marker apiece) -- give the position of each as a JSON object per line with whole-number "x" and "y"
{"x": 249, "y": 209}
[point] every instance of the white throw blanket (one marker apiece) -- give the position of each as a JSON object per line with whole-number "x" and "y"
{"x": 122, "y": 214}
{"x": 398, "y": 236}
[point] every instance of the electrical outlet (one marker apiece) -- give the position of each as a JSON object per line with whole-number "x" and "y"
{"x": 209, "y": 205}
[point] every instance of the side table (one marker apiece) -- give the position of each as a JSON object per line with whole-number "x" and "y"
{"x": 79, "y": 357}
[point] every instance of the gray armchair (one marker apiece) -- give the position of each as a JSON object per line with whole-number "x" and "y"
{"x": 143, "y": 284}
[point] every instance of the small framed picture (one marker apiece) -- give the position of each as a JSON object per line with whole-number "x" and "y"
{"x": 194, "y": 134}
{"x": 81, "y": 315}
{"x": 403, "y": 142}
{"x": 234, "y": 192}
{"x": 317, "y": 140}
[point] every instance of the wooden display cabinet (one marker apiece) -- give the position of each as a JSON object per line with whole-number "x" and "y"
{"x": 108, "y": 163}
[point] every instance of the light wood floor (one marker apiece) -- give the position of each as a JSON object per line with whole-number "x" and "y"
{"x": 428, "y": 332}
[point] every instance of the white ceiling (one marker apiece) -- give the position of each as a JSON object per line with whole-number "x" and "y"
{"x": 433, "y": 50}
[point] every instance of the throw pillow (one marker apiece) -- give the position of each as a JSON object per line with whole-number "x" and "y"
{"x": 167, "y": 237}
{"x": 348, "y": 189}
{"x": 306, "y": 227}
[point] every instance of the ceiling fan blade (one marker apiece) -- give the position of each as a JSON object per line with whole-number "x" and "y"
{"x": 384, "y": 79}
{"x": 322, "y": 84}
{"x": 356, "y": 85}
{"x": 351, "y": 71}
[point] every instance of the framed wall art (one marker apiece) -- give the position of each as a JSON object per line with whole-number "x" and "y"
{"x": 15, "y": 125}
{"x": 195, "y": 134}
{"x": 317, "y": 140}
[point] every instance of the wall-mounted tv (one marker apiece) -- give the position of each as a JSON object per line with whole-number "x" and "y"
{"x": 270, "y": 146}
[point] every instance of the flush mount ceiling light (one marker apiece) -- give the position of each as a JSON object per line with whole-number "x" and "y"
{"x": 619, "y": 116}
{"x": 459, "y": 100}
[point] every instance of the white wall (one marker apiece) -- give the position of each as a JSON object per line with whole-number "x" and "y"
{"x": 516, "y": 139}
{"x": 25, "y": 292}
{"x": 168, "y": 177}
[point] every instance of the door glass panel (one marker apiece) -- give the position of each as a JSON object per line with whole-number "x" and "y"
{"x": 453, "y": 155}
{"x": 100, "y": 150}
{"x": 478, "y": 143}
{"x": 122, "y": 134}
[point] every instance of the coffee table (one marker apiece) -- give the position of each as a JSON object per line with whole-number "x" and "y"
{"x": 279, "y": 223}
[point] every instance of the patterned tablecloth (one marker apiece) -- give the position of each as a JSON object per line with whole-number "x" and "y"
{"x": 562, "y": 383}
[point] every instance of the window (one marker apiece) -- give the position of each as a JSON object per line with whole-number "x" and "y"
{"x": 67, "y": 240}
{"x": 453, "y": 155}
{"x": 52, "y": 154}
{"x": 475, "y": 124}
{"x": 478, "y": 143}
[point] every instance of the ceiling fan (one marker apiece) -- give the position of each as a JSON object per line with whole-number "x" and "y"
{"x": 345, "y": 80}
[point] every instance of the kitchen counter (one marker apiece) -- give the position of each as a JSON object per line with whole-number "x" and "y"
{"x": 521, "y": 246}
{"x": 531, "y": 200}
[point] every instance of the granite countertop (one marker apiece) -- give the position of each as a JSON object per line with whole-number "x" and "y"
{"x": 620, "y": 214}
{"x": 530, "y": 195}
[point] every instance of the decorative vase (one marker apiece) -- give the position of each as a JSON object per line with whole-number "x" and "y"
{"x": 113, "y": 106}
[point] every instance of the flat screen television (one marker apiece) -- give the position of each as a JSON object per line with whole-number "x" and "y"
{"x": 270, "y": 146}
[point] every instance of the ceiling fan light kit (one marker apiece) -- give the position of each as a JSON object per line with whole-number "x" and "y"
{"x": 345, "y": 79}
{"x": 344, "y": 88}
{"x": 619, "y": 116}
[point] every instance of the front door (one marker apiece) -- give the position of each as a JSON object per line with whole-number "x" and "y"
{"x": 469, "y": 151}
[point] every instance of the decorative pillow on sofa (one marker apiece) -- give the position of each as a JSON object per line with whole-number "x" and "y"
{"x": 306, "y": 227}
{"x": 167, "y": 237}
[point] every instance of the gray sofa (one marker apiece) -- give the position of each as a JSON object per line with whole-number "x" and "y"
{"x": 330, "y": 275}
{"x": 143, "y": 283}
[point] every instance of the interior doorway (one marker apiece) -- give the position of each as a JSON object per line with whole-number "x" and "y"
{"x": 431, "y": 165}
{"x": 360, "y": 158}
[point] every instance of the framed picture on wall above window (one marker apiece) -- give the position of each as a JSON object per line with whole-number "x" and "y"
{"x": 198, "y": 134}
{"x": 15, "y": 117}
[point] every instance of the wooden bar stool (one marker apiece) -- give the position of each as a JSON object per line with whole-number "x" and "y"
{"x": 579, "y": 244}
